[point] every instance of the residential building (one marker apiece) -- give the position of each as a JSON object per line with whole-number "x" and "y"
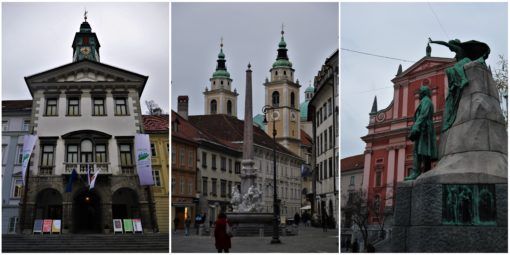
{"x": 157, "y": 128}
{"x": 15, "y": 124}
{"x": 351, "y": 181}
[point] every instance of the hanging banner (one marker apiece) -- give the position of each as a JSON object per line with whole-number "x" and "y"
{"x": 38, "y": 226}
{"x": 128, "y": 225}
{"x": 55, "y": 227}
{"x": 28, "y": 146}
{"x": 143, "y": 159}
{"x": 137, "y": 225}
{"x": 117, "y": 226}
{"x": 46, "y": 226}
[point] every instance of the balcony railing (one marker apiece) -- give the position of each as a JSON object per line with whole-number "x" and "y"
{"x": 81, "y": 168}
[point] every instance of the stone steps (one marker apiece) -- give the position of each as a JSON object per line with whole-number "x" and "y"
{"x": 86, "y": 243}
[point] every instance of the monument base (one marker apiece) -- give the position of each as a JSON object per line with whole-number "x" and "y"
{"x": 423, "y": 221}
{"x": 251, "y": 224}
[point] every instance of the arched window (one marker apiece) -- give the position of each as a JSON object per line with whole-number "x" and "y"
{"x": 276, "y": 98}
{"x": 229, "y": 107}
{"x": 276, "y": 73}
{"x": 292, "y": 100}
{"x": 213, "y": 106}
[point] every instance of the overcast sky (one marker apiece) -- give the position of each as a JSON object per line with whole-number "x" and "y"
{"x": 38, "y": 36}
{"x": 251, "y": 33}
{"x": 401, "y": 30}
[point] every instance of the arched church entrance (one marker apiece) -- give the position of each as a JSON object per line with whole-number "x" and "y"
{"x": 87, "y": 212}
{"x": 48, "y": 205}
{"x": 125, "y": 204}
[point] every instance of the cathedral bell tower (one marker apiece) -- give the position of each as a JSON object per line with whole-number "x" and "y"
{"x": 282, "y": 93}
{"x": 85, "y": 43}
{"x": 220, "y": 99}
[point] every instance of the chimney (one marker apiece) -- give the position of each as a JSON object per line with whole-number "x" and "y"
{"x": 182, "y": 106}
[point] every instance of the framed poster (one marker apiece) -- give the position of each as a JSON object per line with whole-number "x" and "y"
{"x": 128, "y": 225}
{"x": 46, "y": 226}
{"x": 56, "y": 226}
{"x": 137, "y": 225}
{"x": 38, "y": 226}
{"x": 117, "y": 226}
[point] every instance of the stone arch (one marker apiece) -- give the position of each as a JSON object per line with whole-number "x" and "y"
{"x": 48, "y": 204}
{"x": 87, "y": 211}
{"x": 125, "y": 204}
{"x": 214, "y": 106}
{"x": 229, "y": 107}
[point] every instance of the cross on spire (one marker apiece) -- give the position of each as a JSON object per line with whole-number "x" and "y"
{"x": 221, "y": 42}
{"x": 282, "y": 29}
{"x": 85, "y": 14}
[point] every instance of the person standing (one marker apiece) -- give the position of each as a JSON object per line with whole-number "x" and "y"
{"x": 297, "y": 218}
{"x": 221, "y": 237}
{"x": 187, "y": 223}
{"x": 198, "y": 220}
{"x": 176, "y": 222}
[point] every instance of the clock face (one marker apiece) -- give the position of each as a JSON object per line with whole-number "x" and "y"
{"x": 85, "y": 50}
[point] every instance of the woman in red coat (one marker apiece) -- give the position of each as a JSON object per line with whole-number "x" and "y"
{"x": 220, "y": 234}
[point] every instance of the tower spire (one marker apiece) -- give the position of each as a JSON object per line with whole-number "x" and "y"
{"x": 282, "y": 60}
{"x": 374, "y": 106}
{"x": 221, "y": 68}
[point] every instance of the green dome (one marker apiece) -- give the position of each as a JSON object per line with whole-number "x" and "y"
{"x": 221, "y": 74}
{"x": 258, "y": 121}
{"x": 221, "y": 55}
{"x": 282, "y": 63}
{"x": 310, "y": 89}
{"x": 303, "y": 110}
{"x": 282, "y": 43}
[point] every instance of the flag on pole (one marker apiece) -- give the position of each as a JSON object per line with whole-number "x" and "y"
{"x": 72, "y": 177}
{"x": 143, "y": 159}
{"x": 93, "y": 179}
{"x": 28, "y": 146}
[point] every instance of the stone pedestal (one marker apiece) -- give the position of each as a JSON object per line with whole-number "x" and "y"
{"x": 461, "y": 205}
{"x": 251, "y": 224}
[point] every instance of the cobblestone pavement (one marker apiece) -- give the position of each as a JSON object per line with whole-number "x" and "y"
{"x": 309, "y": 239}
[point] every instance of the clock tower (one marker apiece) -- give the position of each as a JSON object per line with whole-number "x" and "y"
{"x": 282, "y": 93}
{"x": 85, "y": 43}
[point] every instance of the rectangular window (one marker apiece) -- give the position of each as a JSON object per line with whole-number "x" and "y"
{"x": 126, "y": 158}
{"x": 320, "y": 171}
{"x": 353, "y": 179}
{"x": 173, "y": 184}
{"x": 19, "y": 154}
{"x": 73, "y": 106}
{"x": 174, "y": 155}
{"x": 331, "y": 144}
{"x": 17, "y": 188}
{"x": 98, "y": 105}
{"x": 5, "y": 125}
{"x": 330, "y": 107}
{"x": 190, "y": 188}
{"x": 190, "y": 159}
{"x": 72, "y": 153}
{"x": 47, "y": 155}
{"x": 325, "y": 109}
{"x": 181, "y": 157}
{"x": 153, "y": 150}
{"x": 213, "y": 189}
{"x": 230, "y": 165}
{"x": 223, "y": 162}
{"x": 121, "y": 106}
{"x": 238, "y": 168}
{"x": 213, "y": 161}
{"x": 51, "y": 107}
{"x": 26, "y": 125}
{"x": 101, "y": 153}
{"x": 204, "y": 159}
{"x": 325, "y": 140}
{"x": 378, "y": 179}
{"x": 229, "y": 190}
{"x": 157, "y": 178}
{"x": 331, "y": 167}
{"x": 13, "y": 222}
{"x": 204, "y": 186}
{"x": 181, "y": 186}
{"x": 325, "y": 169}
{"x": 223, "y": 187}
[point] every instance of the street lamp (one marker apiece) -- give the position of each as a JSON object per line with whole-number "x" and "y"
{"x": 276, "y": 232}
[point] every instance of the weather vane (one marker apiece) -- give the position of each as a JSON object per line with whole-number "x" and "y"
{"x": 85, "y": 15}
{"x": 282, "y": 28}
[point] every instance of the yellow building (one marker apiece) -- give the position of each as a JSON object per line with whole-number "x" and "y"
{"x": 157, "y": 128}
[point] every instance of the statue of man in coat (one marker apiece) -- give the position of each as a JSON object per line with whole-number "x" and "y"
{"x": 423, "y": 135}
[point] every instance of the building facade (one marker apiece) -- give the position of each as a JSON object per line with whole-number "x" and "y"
{"x": 184, "y": 170}
{"x": 351, "y": 181}
{"x": 86, "y": 114}
{"x": 15, "y": 124}
{"x": 323, "y": 112}
{"x": 388, "y": 152}
{"x": 157, "y": 128}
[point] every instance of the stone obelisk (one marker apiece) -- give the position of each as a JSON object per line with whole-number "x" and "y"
{"x": 248, "y": 171}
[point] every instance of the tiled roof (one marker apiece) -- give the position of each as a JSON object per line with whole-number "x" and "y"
{"x": 155, "y": 123}
{"x": 228, "y": 131}
{"x": 353, "y": 163}
{"x": 16, "y": 105}
{"x": 306, "y": 139}
{"x": 185, "y": 130}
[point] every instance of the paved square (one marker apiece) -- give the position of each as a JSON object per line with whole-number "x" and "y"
{"x": 309, "y": 239}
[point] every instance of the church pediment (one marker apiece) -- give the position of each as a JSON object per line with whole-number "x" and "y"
{"x": 425, "y": 64}
{"x": 85, "y": 71}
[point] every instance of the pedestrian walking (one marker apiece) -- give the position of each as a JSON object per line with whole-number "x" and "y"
{"x": 187, "y": 223}
{"x": 297, "y": 218}
{"x": 176, "y": 222}
{"x": 221, "y": 235}
{"x": 198, "y": 220}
